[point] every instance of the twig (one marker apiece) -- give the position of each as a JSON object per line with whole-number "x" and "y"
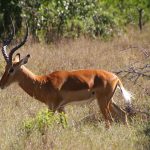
{"x": 145, "y": 51}
{"x": 135, "y": 73}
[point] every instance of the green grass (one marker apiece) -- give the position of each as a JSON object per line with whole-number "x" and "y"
{"x": 85, "y": 136}
{"x": 25, "y": 123}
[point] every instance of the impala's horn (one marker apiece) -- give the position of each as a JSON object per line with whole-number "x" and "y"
{"x": 19, "y": 45}
{"x": 6, "y": 42}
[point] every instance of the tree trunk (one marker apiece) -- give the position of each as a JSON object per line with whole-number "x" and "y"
{"x": 140, "y": 11}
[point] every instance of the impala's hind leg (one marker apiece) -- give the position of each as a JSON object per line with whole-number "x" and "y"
{"x": 106, "y": 113}
{"x": 104, "y": 107}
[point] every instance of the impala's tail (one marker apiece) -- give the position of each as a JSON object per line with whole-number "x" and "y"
{"x": 127, "y": 96}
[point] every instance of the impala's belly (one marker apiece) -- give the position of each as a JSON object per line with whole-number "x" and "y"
{"x": 75, "y": 97}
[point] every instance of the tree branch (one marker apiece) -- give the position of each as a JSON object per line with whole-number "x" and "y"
{"x": 135, "y": 73}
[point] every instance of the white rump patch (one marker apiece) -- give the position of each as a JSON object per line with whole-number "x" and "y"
{"x": 127, "y": 95}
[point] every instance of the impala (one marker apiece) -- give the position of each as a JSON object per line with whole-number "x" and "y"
{"x": 60, "y": 88}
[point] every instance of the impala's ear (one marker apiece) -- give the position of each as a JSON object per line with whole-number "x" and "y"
{"x": 17, "y": 58}
{"x": 24, "y": 60}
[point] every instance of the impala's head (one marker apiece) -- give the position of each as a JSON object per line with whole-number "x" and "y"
{"x": 13, "y": 65}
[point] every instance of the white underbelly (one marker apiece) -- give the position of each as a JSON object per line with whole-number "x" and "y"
{"x": 77, "y": 97}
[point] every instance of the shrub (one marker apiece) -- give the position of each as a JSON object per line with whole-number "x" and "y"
{"x": 43, "y": 120}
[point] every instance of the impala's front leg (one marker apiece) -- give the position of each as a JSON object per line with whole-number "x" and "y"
{"x": 53, "y": 103}
{"x": 63, "y": 118}
{"x": 61, "y": 110}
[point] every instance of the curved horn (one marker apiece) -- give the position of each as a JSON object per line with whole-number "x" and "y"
{"x": 18, "y": 46}
{"x": 6, "y": 43}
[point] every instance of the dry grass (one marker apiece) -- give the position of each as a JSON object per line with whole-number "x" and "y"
{"x": 16, "y": 106}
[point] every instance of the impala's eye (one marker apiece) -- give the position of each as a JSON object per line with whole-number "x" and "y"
{"x": 11, "y": 70}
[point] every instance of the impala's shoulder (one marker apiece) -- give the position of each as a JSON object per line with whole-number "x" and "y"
{"x": 57, "y": 78}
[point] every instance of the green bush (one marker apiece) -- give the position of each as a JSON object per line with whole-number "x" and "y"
{"x": 70, "y": 18}
{"x": 43, "y": 120}
{"x": 55, "y": 19}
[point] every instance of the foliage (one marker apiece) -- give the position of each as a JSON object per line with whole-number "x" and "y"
{"x": 42, "y": 121}
{"x": 50, "y": 20}
{"x": 10, "y": 9}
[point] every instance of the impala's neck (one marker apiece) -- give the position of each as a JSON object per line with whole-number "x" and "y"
{"x": 29, "y": 82}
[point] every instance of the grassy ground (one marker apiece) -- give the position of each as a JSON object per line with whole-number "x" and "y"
{"x": 17, "y": 109}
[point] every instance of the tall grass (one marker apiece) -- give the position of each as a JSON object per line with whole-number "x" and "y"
{"x": 17, "y": 108}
